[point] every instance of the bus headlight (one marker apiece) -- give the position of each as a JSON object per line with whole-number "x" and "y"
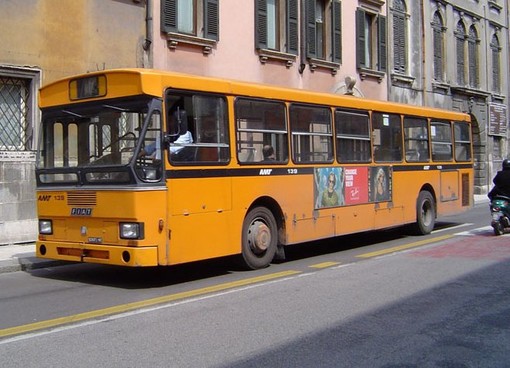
{"x": 45, "y": 227}
{"x": 131, "y": 230}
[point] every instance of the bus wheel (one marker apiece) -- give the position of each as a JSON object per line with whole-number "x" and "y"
{"x": 425, "y": 213}
{"x": 260, "y": 235}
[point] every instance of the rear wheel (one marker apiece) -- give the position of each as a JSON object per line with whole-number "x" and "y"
{"x": 425, "y": 213}
{"x": 260, "y": 237}
{"x": 498, "y": 228}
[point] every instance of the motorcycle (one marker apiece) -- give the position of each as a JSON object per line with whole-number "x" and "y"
{"x": 500, "y": 211}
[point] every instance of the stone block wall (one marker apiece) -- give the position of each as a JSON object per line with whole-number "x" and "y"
{"x": 18, "y": 220}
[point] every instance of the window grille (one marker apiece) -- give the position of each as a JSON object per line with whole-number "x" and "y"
{"x": 15, "y": 127}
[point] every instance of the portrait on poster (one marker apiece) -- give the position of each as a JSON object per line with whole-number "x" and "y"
{"x": 380, "y": 184}
{"x": 329, "y": 187}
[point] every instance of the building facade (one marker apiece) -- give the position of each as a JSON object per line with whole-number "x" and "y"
{"x": 43, "y": 40}
{"x": 308, "y": 44}
{"x": 454, "y": 54}
{"x": 451, "y": 54}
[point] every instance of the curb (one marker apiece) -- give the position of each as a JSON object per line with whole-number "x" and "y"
{"x": 28, "y": 263}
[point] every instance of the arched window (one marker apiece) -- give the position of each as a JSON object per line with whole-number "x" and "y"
{"x": 438, "y": 44}
{"x": 496, "y": 63}
{"x": 399, "y": 36}
{"x": 474, "y": 79}
{"x": 460, "y": 40}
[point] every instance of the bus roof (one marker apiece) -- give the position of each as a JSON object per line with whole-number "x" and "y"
{"x": 133, "y": 81}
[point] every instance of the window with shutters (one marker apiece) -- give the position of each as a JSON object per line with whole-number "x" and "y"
{"x": 399, "y": 37}
{"x": 474, "y": 58}
{"x": 323, "y": 33}
{"x": 496, "y": 63}
{"x": 371, "y": 43}
{"x": 191, "y": 22}
{"x": 276, "y": 30}
{"x": 438, "y": 31}
{"x": 460, "y": 42}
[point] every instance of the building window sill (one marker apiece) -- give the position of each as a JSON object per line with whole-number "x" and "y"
{"x": 469, "y": 91}
{"x": 174, "y": 39}
{"x": 266, "y": 55}
{"x": 401, "y": 79}
{"x": 440, "y": 86}
{"x": 498, "y": 98}
{"x": 494, "y": 5}
{"x": 323, "y": 64}
{"x": 374, "y": 3}
{"x": 365, "y": 73}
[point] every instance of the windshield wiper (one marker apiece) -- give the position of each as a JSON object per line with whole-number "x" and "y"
{"x": 116, "y": 108}
{"x": 73, "y": 114}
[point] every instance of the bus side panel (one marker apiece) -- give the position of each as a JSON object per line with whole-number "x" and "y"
{"x": 406, "y": 189}
{"x": 200, "y": 212}
{"x": 449, "y": 185}
{"x": 463, "y": 180}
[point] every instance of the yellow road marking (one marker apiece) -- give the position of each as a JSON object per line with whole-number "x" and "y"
{"x": 403, "y": 247}
{"x": 324, "y": 264}
{"x": 117, "y": 309}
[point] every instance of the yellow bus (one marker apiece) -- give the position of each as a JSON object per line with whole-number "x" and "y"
{"x": 140, "y": 167}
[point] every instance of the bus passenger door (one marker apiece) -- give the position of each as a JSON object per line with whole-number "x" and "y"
{"x": 199, "y": 218}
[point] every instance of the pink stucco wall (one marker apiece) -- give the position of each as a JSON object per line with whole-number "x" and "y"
{"x": 235, "y": 56}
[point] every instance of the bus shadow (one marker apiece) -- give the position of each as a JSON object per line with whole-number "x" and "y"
{"x": 354, "y": 241}
{"x": 164, "y": 276}
{"x": 136, "y": 278}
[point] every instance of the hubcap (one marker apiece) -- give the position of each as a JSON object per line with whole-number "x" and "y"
{"x": 259, "y": 237}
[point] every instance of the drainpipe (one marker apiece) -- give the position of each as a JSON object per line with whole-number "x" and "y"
{"x": 302, "y": 47}
{"x": 424, "y": 56}
{"x": 149, "y": 26}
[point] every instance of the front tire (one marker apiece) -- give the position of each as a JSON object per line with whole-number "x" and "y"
{"x": 425, "y": 213}
{"x": 259, "y": 238}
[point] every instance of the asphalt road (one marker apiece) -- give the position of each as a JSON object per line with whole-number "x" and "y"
{"x": 380, "y": 299}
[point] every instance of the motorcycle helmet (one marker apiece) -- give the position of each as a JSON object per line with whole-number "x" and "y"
{"x": 506, "y": 164}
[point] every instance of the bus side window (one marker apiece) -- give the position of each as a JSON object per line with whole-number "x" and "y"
{"x": 462, "y": 142}
{"x": 206, "y": 126}
{"x": 312, "y": 135}
{"x": 352, "y": 136}
{"x": 416, "y": 139}
{"x": 387, "y": 132}
{"x": 441, "y": 134}
{"x": 260, "y": 123}
{"x": 211, "y": 127}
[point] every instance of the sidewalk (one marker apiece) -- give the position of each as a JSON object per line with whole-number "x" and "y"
{"x": 21, "y": 257}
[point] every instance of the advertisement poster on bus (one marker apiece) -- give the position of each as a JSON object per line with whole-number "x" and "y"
{"x": 380, "y": 184}
{"x": 343, "y": 186}
{"x": 356, "y": 185}
{"x": 329, "y": 187}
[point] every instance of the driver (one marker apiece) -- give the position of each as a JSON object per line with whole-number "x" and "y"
{"x": 501, "y": 181}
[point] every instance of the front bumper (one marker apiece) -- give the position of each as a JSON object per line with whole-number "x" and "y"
{"x": 93, "y": 253}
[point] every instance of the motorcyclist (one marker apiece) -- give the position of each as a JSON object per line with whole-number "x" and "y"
{"x": 501, "y": 181}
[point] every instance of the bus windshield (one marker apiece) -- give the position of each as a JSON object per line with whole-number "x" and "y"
{"x": 97, "y": 142}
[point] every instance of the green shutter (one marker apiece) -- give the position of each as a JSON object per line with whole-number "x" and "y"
{"x": 261, "y": 24}
{"x": 311, "y": 43}
{"x": 382, "y": 55}
{"x": 292, "y": 27}
{"x": 169, "y": 15}
{"x": 399, "y": 43}
{"x": 336, "y": 28}
{"x": 360, "y": 38}
{"x": 211, "y": 19}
